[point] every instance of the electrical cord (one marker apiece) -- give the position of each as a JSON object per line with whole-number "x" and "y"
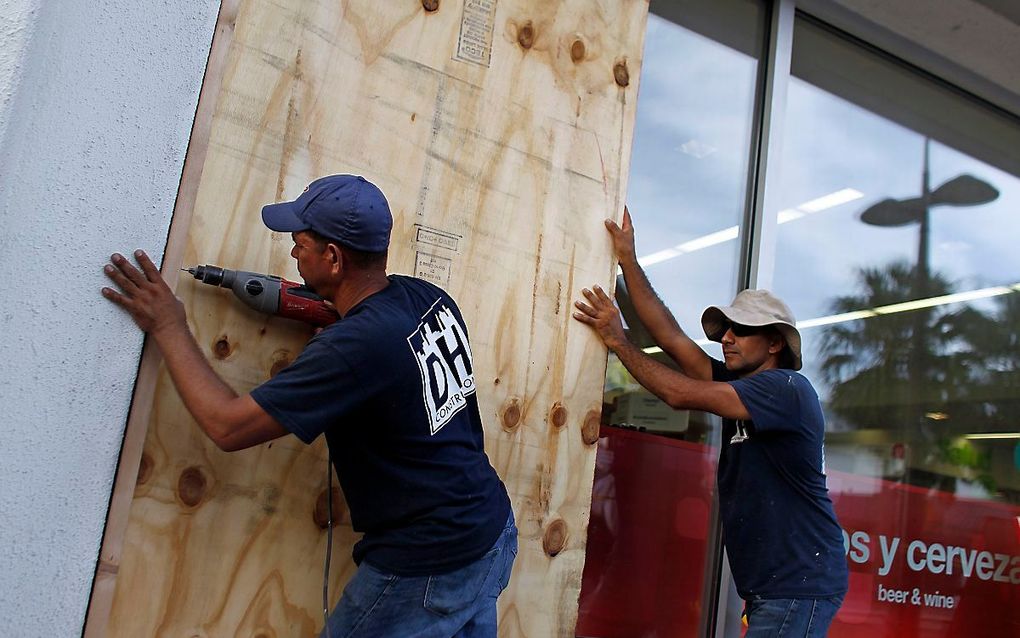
{"x": 329, "y": 539}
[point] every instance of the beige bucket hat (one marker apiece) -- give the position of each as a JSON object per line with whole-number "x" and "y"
{"x": 754, "y": 308}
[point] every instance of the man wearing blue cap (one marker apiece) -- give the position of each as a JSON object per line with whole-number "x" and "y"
{"x": 391, "y": 386}
{"x": 782, "y": 538}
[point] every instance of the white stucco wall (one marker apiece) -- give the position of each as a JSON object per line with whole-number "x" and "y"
{"x": 17, "y": 21}
{"x": 97, "y": 99}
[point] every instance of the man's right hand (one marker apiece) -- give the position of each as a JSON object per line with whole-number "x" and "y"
{"x": 602, "y": 316}
{"x": 623, "y": 238}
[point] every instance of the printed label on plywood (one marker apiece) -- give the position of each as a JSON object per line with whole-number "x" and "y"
{"x": 438, "y": 238}
{"x": 475, "y": 42}
{"x": 433, "y": 268}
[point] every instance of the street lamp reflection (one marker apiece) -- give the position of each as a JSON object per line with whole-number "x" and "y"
{"x": 962, "y": 190}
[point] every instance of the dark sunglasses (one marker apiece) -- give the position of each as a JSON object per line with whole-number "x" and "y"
{"x": 740, "y": 330}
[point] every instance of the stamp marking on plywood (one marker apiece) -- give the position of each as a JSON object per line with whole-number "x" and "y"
{"x": 432, "y": 268}
{"x": 438, "y": 238}
{"x": 475, "y": 41}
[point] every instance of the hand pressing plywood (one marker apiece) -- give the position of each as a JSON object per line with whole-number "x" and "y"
{"x": 500, "y": 131}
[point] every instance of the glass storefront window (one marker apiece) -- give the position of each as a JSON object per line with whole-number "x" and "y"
{"x": 650, "y": 537}
{"x": 897, "y": 251}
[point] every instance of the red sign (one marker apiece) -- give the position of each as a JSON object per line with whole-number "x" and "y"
{"x": 922, "y": 562}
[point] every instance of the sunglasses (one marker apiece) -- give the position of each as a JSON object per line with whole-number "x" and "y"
{"x": 740, "y": 330}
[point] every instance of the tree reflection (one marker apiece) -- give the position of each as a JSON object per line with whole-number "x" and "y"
{"x": 931, "y": 375}
{"x": 996, "y": 343}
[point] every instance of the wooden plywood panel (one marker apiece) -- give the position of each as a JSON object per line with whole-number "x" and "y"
{"x": 500, "y": 131}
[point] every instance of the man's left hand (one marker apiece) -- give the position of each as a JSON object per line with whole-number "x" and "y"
{"x": 602, "y": 316}
{"x": 144, "y": 294}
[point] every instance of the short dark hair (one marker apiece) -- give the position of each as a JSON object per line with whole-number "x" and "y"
{"x": 360, "y": 259}
{"x": 785, "y": 357}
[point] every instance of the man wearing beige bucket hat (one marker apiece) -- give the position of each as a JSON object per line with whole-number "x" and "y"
{"x": 780, "y": 531}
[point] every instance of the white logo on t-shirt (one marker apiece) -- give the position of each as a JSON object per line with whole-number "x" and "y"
{"x": 440, "y": 346}
{"x": 741, "y": 434}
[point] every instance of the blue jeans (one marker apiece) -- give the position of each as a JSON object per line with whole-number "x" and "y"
{"x": 790, "y": 617}
{"x": 461, "y": 603}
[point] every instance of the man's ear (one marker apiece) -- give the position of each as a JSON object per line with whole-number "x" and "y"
{"x": 335, "y": 257}
{"x": 776, "y": 343}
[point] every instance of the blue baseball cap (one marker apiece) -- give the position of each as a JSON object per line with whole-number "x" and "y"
{"x": 346, "y": 208}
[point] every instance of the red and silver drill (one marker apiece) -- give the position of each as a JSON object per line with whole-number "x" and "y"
{"x": 269, "y": 294}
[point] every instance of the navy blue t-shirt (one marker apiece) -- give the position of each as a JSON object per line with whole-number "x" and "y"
{"x": 779, "y": 527}
{"x": 391, "y": 385}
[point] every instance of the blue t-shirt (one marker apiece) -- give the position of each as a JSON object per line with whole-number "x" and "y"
{"x": 391, "y": 386}
{"x": 779, "y": 527}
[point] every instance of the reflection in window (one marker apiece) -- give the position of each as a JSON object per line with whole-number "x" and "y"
{"x": 911, "y": 307}
{"x": 908, "y": 292}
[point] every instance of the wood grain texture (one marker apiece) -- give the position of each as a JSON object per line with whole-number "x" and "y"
{"x": 500, "y": 131}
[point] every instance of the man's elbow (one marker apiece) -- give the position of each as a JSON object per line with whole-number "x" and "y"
{"x": 228, "y": 444}
{"x": 222, "y": 435}
{"x": 677, "y": 401}
{"x": 222, "y": 441}
{"x": 234, "y": 426}
{"x": 678, "y": 405}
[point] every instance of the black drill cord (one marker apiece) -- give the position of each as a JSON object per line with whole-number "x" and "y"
{"x": 329, "y": 539}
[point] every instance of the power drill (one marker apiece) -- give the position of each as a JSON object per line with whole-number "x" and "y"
{"x": 269, "y": 294}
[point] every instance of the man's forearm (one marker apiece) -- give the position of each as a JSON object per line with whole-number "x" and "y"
{"x": 204, "y": 393}
{"x": 653, "y": 313}
{"x": 661, "y": 323}
{"x": 672, "y": 387}
{"x": 676, "y": 389}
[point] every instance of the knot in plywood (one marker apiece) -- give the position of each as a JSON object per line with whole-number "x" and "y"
{"x": 511, "y": 414}
{"x": 526, "y": 35}
{"x": 558, "y": 415}
{"x": 590, "y": 428}
{"x": 555, "y": 537}
{"x": 621, "y": 73}
{"x": 430, "y": 5}
{"x": 578, "y": 50}
{"x": 222, "y": 348}
{"x": 192, "y": 486}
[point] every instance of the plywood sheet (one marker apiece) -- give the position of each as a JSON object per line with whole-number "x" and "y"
{"x": 500, "y": 131}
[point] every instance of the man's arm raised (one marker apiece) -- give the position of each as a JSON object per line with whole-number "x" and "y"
{"x": 233, "y": 422}
{"x": 659, "y": 321}
{"x": 676, "y": 389}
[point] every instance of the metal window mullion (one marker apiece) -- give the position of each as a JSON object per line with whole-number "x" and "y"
{"x": 759, "y": 228}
